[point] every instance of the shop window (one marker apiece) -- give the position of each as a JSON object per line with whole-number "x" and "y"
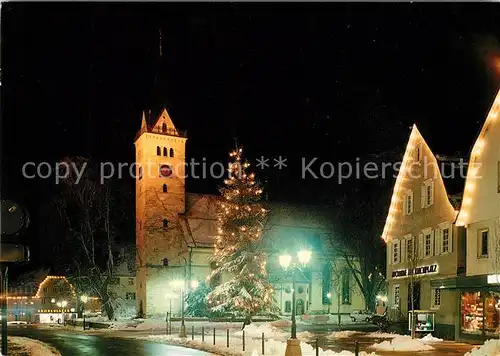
{"x": 288, "y": 306}
{"x": 472, "y": 313}
{"x": 492, "y": 313}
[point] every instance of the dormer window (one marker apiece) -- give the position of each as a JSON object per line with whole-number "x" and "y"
{"x": 164, "y": 128}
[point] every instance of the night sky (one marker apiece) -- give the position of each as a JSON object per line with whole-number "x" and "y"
{"x": 337, "y": 81}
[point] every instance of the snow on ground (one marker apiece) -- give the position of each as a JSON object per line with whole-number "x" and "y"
{"x": 305, "y": 336}
{"x": 33, "y": 347}
{"x": 489, "y": 348}
{"x": 429, "y": 339}
{"x": 341, "y": 334}
{"x": 256, "y": 331}
{"x": 402, "y": 343}
{"x": 253, "y": 346}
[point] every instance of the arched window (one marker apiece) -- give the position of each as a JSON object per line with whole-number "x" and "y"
{"x": 165, "y": 188}
{"x": 165, "y": 151}
{"x": 165, "y": 224}
{"x": 165, "y": 262}
{"x": 158, "y": 151}
{"x": 164, "y": 127}
{"x": 171, "y": 152}
{"x": 288, "y": 306}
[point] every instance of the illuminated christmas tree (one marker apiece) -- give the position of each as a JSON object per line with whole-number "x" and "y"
{"x": 238, "y": 250}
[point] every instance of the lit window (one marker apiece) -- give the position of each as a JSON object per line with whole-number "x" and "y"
{"x": 428, "y": 245}
{"x": 446, "y": 240}
{"x": 483, "y": 235}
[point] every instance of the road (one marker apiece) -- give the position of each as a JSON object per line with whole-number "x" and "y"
{"x": 78, "y": 344}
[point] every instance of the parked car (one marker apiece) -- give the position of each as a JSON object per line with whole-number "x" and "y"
{"x": 17, "y": 322}
{"x": 361, "y": 315}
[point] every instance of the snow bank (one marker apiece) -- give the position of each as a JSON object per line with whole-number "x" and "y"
{"x": 380, "y": 335}
{"x": 430, "y": 339}
{"x": 489, "y": 348}
{"x": 306, "y": 336}
{"x": 341, "y": 334}
{"x": 269, "y": 331}
{"x": 402, "y": 343}
{"x": 33, "y": 347}
{"x": 253, "y": 347}
{"x": 283, "y": 323}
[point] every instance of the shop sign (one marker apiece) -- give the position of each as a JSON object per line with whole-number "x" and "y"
{"x": 415, "y": 271}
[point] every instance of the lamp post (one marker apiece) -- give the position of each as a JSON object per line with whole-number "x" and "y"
{"x": 304, "y": 256}
{"x": 84, "y": 300}
{"x": 329, "y": 296}
{"x": 181, "y": 285}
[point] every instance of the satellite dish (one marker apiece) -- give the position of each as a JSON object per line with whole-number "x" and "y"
{"x": 14, "y": 218}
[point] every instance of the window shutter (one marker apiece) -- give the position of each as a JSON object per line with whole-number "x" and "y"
{"x": 422, "y": 196}
{"x": 433, "y": 242}
{"x": 405, "y": 205}
{"x": 432, "y": 191}
{"x": 403, "y": 250}
{"x": 439, "y": 242}
{"x": 421, "y": 246}
{"x": 389, "y": 251}
{"x": 450, "y": 238}
{"x": 412, "y": 201}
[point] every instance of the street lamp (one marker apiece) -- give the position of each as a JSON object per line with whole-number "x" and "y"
{"x": 181, "y": 285}
{"x": 304, "y": 256}
{"x": 329, "y": 296}
{"x": 84, "y": 300}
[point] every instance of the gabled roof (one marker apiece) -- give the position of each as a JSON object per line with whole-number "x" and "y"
{"x": 396, "y": 200}
{"x": 150, "y": 122}
{"x": 475, "y": 155}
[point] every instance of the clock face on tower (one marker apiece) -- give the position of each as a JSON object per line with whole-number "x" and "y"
{"x": 165, "y": 171}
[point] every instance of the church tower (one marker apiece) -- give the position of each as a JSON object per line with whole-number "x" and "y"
{"x": 160, "y": 198}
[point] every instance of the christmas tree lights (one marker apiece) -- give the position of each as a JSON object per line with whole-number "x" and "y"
{"x": 238, "y": 250}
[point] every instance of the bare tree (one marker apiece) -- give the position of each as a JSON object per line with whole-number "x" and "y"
{"x": 84, "y": 206}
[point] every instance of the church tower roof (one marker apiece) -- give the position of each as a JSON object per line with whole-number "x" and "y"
{"x": 162, "y": 125}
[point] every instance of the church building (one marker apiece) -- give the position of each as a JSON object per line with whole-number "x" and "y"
{"x": 175, "y": 228}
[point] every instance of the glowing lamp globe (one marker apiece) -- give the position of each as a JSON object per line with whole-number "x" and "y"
{"x": 285, "y": 261}
{"x": 304, "y": 256}
{"x": 84, "y": 298}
